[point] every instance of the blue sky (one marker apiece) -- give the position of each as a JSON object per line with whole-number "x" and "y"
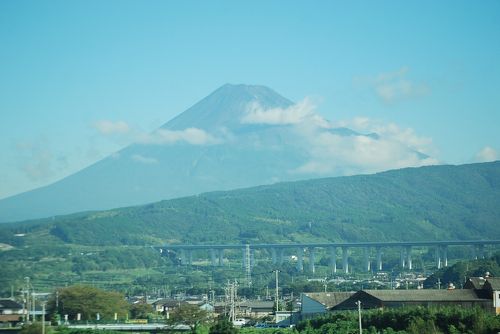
{"x": 76, "y": 75}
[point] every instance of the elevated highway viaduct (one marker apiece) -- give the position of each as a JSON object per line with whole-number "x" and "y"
{"x": 309, "y": 250}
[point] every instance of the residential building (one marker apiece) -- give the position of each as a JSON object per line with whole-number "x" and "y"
{"x": 313, "y": 304}
{"x": 407, "y": 298}
{"x": 10, "y": 311}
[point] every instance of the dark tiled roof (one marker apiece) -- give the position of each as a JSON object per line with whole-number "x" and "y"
{"x": 169, "y": 303}
{"x": 492, "y": 283}
{"x": 475, "y": 283}
{"x": 257, "y": 304}
{"x": 330, "y": 299}
{"x": 9, "y": 304}
{"x": 429, "y": 295}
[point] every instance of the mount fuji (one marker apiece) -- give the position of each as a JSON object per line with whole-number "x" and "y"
{"x": 238, "y": 136}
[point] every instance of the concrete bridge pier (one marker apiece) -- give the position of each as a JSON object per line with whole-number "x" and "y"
{"x": 190, "y": 257}
{"x": 273, "y": 256}
{"x": 312, "y": 269}
{"x": 183, "y": 256}
{"x": 244, "y": 258}
{"x": 445, "y": 255}
{"x": 438, "y": 257}
{"x": 379, "y": 258}
{"x": 333, "y": 259}
{"x": 345, "y": 260}
{"x": 300, "y": 259}
{"x": 402, "y": 258}
{"x": 366, "y": 254}
{"x": 480, "y": 251}
{"x": 213, "y": 257}
{"x": 281, "y": 256}
{"x": 221, "y": 257}
{"x": 408, "y": 258}
{"x": 473, "y": 252}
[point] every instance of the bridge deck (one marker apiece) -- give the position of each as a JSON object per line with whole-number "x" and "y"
{"x": 344, "y": 244}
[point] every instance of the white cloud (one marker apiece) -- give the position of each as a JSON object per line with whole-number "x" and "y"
{"x": 332, "y": 153}
{"x": 107, "y": 127}
{"x": 393, "y": 147}
{"x": 193, "y": 136}
{"x": 295, "y": 114}
{"x": 145, "y": 160}
{"x": 123, "y": 134}
{"x": 37, "y": 160}
{"x": 392, "y": 132}
{"x": 395, "y": 86}
{"x": 487, "y": 154}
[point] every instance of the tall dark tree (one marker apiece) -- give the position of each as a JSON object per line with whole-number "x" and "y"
{"x": 190, "y": 315}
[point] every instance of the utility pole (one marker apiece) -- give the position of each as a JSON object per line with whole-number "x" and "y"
{"x": 28, "y": 306}
{"x": 248, "y": 266}
{"x": 277, "y": 294}
{"x": 231, "y": 294}
{"x": 359, "y": 317}
{"x": 33, "y": 306}
{"x": 43, "y": 318}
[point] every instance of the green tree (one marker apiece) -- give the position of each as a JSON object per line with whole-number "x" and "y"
{"x": 190, "y": 315}
{"x": 88, "y": 301}
{"x": 223, "y": 326}
{"x": 140, "y": 311}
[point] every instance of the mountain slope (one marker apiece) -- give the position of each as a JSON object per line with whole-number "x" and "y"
{"x": 427, "y": 203}
{"x": 238, "y": 136}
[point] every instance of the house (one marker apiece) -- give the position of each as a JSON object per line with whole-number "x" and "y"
{"x": 207, "y": 307}
{"x": 254, "y": 309}
{"x": 492, "y": 284}
{"x": 486, "y": 287}
{"x": 474, "y": 283}
{"x": 313, "y": 304}
{"x": 10, "y": 311}
{"x": 407, "y": 298}
{"x": 492, "y": 287}
{"x": 166, "y": 306}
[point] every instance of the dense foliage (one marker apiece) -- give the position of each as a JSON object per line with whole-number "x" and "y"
{"x": 450, "y": 320}
{"x": 88, "y": 301}
{"x": 460, "y": 271}
{"x": 223, "y": 326}
{"x": 190, "y": 315}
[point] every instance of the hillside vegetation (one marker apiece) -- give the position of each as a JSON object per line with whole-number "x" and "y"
{"x": 112, "y": 249}
{"x": 427, "y": 203}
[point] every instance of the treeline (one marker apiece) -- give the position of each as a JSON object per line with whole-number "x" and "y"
{"x": 458, "y": 272}
{"x": 449, "y": 320}
{"x": 123, "y": 258}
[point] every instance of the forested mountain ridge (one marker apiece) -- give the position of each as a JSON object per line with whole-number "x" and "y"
{"x": 426, "y": 203}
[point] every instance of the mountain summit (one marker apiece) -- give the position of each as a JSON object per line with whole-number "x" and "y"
{"x": 238, "y": 136}
{"x": 226, "y": 107}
